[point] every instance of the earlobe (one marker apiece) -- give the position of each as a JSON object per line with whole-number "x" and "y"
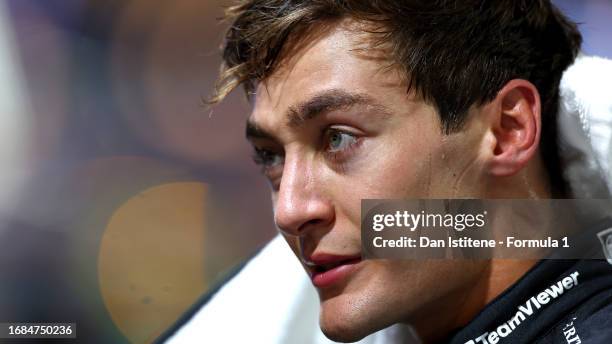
{"x": 516, "y": 127}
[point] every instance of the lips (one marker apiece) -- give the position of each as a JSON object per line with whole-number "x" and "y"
{"x": 328, "y": 269}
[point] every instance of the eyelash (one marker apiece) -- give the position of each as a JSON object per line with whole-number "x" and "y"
{"x": 340, "y": 156}
{"x": 262, "y": 156}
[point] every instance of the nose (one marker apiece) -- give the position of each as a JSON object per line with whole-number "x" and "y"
{"x": 301, "y": 203}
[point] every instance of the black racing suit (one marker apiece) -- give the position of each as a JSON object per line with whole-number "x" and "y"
{"x": 557, "y": 301}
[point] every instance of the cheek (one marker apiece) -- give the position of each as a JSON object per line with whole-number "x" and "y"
{"x": 427, "y": 165}
{"x": 460, "y": 172}
{"x": 396, "y": 179}
{"x": 413, "y": 160}
{"x": 405, "y": 169}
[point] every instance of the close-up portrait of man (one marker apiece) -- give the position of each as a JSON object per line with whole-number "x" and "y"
{"x": 407, "y": 99}
{"x": 306, "y": 171}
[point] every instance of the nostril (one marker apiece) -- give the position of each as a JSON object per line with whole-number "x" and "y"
{"x": 310, "y": 224}
{"x": 313, "y": 222}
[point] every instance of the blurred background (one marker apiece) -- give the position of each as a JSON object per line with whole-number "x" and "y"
{"x": 124, "y": 199}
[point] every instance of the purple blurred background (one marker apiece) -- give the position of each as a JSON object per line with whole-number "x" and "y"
{"x": 124, "y": 198}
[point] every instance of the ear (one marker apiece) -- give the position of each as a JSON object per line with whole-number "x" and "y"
{"x": 516, "y": 126}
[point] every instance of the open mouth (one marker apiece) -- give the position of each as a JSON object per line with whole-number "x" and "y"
{"x": 320, "y": 268}
{"x": 326, "y": 270}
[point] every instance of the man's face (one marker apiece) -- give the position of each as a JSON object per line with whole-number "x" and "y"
{"x": 332, "y": 126}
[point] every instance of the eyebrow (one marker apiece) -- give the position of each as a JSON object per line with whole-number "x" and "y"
{"x": 321, "y": 103}
{"x": 329, "y": 101}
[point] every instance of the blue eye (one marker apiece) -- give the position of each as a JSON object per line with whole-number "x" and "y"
{"x": 267, "y": 158}
{"x": 340, "y": 141}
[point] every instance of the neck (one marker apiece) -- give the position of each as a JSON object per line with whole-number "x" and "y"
{"x": 459, "y": 308}
{"x": 501, "y": 274}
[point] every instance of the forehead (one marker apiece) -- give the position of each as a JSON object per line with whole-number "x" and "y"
{"x": 333, "y": 57}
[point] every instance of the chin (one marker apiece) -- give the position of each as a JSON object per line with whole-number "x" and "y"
{"x": 345, "y": 320}
{"x": 342, "y": 333}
